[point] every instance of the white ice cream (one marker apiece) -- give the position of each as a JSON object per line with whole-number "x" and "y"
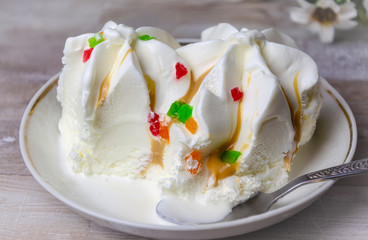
{"x": 107, "y": 100}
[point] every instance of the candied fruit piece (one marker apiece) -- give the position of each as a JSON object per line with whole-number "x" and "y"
{"x": 155, "y": 129}
{"x": 153, "y": 117}
{"x": 156, "y": 124}
{"x": 164, "y": 132}
{"x": 194, "y": 162}
{"x": 230, "y": 156}
{"x": 191, "y": 125}
{"x": 173, "y": 111}
{"x": 95, "y": 40}
{"x": 181, "y": 70}
{"x": 196, "y": 155}
{"x": 236, "y": 94}
{"x": 180, "y": 110}
{"x": 87, "y": 54}
{"x": 185, "y": 112}
{"x": 146, "y": 37}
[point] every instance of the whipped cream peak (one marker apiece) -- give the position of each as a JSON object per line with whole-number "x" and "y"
{"x": 213, "y": 106}
{"x": 117, "y": 33}
{"x": 220, "y": 31}
{"x": 274, "y": 35}
{"x": 158, "y": 62}
{"x": 160, "y": 35}
{"x": 249, "y": 37}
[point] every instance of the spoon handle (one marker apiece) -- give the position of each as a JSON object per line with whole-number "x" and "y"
{"x": 352, "y": 168}
{"x": 345, "y": 170}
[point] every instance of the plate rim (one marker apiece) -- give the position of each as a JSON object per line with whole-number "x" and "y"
{"x": 134, "y": 227}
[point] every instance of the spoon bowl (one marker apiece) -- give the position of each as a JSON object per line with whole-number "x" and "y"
{"x": 261, "y": 202}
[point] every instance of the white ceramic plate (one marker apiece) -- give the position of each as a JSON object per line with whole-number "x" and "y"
{"x": 99, "y": 198}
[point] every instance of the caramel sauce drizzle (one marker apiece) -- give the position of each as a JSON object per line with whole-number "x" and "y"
{"x": 219, "y": 169}
{"x": 151, "y": 91}
{"x": 194, "y": 86}
{"x": 158, "y": 144}
{"x": 297, "y": 116}
{"x": 105, "y": 85}
{"x": 157, "y": 149}
{"x": 297, "y": 122}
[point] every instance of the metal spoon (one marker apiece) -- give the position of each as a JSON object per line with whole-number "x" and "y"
{"x": 262, "y": 202}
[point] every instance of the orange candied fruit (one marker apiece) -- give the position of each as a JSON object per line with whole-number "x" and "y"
{"x": 195, "y": 155}
{"x": 194, "y": 162}
{"x": 164, "y": 132}
{"x": 191, "y": 125}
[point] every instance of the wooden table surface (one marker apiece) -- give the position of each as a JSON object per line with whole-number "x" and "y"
{"x": 32, "y": 36}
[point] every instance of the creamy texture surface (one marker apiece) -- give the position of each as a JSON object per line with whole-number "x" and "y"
{"x": 106, "y": 100}
{"x": 250, "y": 93}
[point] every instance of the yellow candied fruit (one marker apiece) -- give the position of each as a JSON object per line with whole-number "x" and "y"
{"x": 191, "y": 125}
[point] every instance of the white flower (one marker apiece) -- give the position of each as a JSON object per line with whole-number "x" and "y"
{"x": 365, "y": 4}
{"x": 323, "y": 16}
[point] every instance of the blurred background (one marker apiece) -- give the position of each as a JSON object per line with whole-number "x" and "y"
{"x": 34, "y": 32}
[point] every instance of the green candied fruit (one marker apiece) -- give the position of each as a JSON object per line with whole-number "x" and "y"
{"x": 230, "y": 156}
{"x": 174, "y": 108}
{"x": 184, "y": 113}
{"x": 146, "y": 37}
{"x": 95, "y": 40}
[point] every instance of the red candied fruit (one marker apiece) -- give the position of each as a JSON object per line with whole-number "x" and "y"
{"x": 87, "y": 54}
{"x": 155, "y": 130}
{"x": 181, "y": 70}
{"x": 236, "y": 94}
{"x": 153, "y": 117}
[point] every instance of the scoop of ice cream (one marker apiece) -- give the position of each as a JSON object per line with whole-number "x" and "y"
{"x": 213, "y": 121}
